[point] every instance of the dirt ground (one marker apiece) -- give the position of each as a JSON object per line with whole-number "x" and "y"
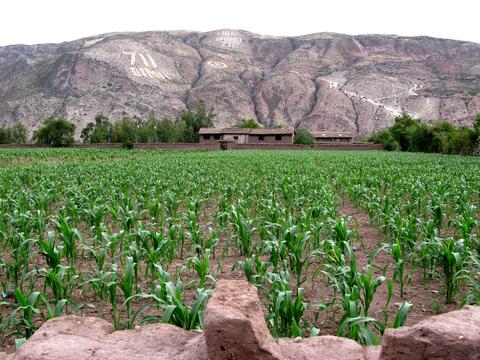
{"x": 315, "y": 292}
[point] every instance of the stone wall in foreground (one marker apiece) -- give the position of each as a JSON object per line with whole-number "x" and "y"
{"x": 235, "y": 330}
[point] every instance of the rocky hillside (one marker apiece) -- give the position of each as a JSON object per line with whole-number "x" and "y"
{"x": 322, "y": 81}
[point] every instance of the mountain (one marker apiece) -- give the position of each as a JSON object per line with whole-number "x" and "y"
{"x": 320, "y": 81}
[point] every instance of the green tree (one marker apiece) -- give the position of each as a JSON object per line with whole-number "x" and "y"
{"x": 167, "y": 131}
{"x": 249, "y": 123}
{"x": 386, "y": 138}
{"x": 4, "y": 136}
{"x": 124, "y": 131}
{"x": 419, "y": 137}
{"x": 304, "y": 137}
{"x": 476, "y": 128}
{"x": 147, "y": 132}
{"x": 462, "y": 141}
{"x": 19, "y": 133}
{"x": 86, "y": 134}
{"x": 441, "y": 133}
{"x": 411, "y": 134}
{"x": 98, "y": 132}
{"x": 55, "y": 131}
{"x": 191, "y": 120}
{"x": 400, "y": 128}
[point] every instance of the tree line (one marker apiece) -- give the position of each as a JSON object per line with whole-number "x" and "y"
{"x": 58, "y": 131}
{"x": 165, "y": 130}
{"x": 411, "y": 134}
{"x": 16, "y": 134}
{"x": 406, "y": 134}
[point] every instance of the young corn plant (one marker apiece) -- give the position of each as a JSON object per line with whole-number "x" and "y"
{"x": 61, "y": 280}
{"x": 201, "y": 264}
{"x": 49, "y": 250}
{"x": 127, "y": 285}
{"x": 54, "y": 311}
{"x": 254, "y": 269}
{"x": 401, "y": 317}
{"x": 20, "y": 256}
{"x": 110, "y": 284}
{"x": 69, "y": 237}
{"x": 450, "y": 260}
{"x": 176, "y": 312}
{"x": 22, "y": 319}
{"x": 168, "y": 298}
{"x": 397, "y": 253}
{"x": 286, "y": 308}
{"x": 192, "y": 217}
{"x": 243, "y": 228}
{"x": 297, "y": 242}
{"x": 369, "y": 287}
{"x": 473, "y": 279}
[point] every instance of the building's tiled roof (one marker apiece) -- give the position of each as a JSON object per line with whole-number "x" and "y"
{"x": 332, "y": 134}
{"x": 210, "y": 131}
{"x": 279, "y": 131}
{"x": 239, "y": 131}
{"x": 262, "y": 131}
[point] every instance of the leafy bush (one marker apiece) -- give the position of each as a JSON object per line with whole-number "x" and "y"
{"x": 17, "y": 134}
{"x": 192, "y": 120}
{"x": 304, "y": 137}
{"x": 55, "y": 131}
{"x": 410, "y": 134}
{"x": 386, "y": 138}
{"x": 98, "y": 132}
{"x": 4, "y": 136}
{"x": 250, "y": 123}
{"x": 124, "y": 131}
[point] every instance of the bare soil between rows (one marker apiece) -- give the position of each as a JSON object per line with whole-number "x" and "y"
{"x": 371, "y": 239}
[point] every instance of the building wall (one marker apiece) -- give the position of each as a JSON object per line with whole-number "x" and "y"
{"x": 329, "y": 140}
{"x": 270, "y": 139}
{"x": 238, "y": 138}
{"x": 211, "y": 139}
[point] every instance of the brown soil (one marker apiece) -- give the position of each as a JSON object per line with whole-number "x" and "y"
{"x": 414, "y": 292}
{"x": 221, "y": 266}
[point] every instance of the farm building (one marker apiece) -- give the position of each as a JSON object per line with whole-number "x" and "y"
{"x": 247, "y": 136}
{"x": 332, "y": 136}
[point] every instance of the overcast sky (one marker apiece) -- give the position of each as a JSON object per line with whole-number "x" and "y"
{"x": 41, "y": 21}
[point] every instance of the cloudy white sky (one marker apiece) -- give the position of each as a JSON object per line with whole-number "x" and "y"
{"x": 41, "y": 21}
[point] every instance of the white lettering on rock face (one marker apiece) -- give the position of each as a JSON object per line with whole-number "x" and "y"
{"x": 152, "y": 61}
{"x": 217, "y": 64}
{"x": 148, "y": 68}
{"x": 132, "y": 57}
{"x": 135, "y": 71}
{"x": 229, "y": 39}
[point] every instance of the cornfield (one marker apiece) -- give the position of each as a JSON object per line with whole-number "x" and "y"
{"x": 142, "y": 236}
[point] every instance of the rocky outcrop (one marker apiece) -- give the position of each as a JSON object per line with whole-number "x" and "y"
{"x": 78, "y": 338}
{"x": 69, "y": 337}
{"x": 236, "y": 324}
{"x": 454, "y": 335}
{"x": 321, "y": 81}
{"x": 235, "y": 329}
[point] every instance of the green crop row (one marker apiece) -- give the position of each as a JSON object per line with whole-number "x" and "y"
{"x": 142, "y": 236}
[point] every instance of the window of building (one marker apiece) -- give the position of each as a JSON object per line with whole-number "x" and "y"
{"x": 216, "y": 137}
{"x": 206, "y": 137}
{"x": 261, "y": 137}
{"x": 235, "y": 138}
{"x": 278, "y": 137}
